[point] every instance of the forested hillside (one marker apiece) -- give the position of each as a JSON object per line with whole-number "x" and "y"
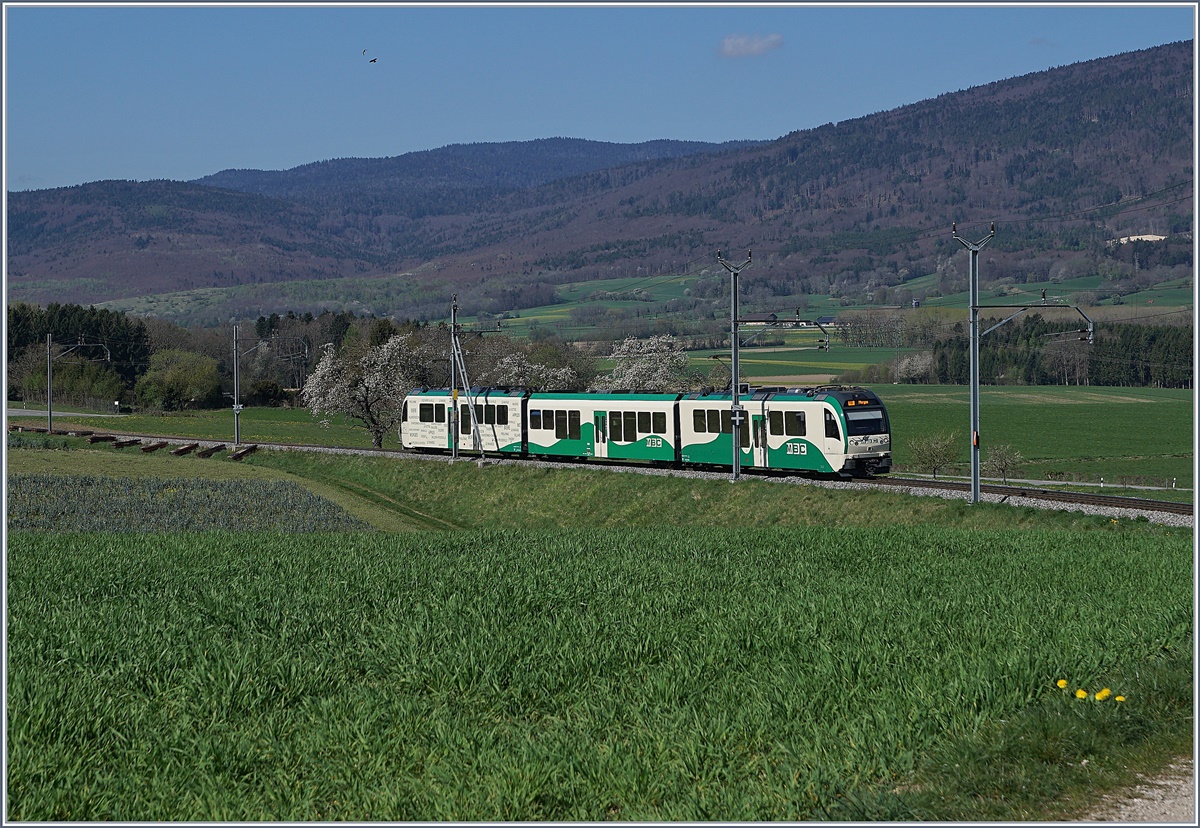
{"x": 460, "y": 178}
{"x": 1065, "y": 161}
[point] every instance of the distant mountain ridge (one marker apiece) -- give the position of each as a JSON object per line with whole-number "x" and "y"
{"x": 1062, "y": 159}
{"x": 485, "y": 169}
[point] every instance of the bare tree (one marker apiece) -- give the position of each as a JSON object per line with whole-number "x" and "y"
{"x": 1003, "y": 460}
{"x": 932, "y": 452}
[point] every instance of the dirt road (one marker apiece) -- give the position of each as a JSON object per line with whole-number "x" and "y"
{"x": 1169, "y": 797}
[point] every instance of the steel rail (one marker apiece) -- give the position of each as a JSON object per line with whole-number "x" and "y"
{"x": 1079, "y": 498}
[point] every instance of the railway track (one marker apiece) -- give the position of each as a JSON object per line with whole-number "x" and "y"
{"x": 1079, "y": 498}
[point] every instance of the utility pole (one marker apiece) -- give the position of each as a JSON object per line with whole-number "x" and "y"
{"x": 458, "y": 370}
{"x": 237, "y": 405}
{"x": 453, "y": 419}
{"x": 49, "y": 386}
{"x": 974, "y": 248}
{"x": 737, "y": 413}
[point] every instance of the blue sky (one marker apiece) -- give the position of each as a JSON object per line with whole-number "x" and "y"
{"x": 96, "y": 92}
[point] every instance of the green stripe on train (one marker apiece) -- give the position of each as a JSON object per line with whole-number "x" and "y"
{"x": 798, "y": 454}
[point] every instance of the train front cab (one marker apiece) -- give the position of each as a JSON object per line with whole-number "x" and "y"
{"x": 822, "y": 431}
{"x": 866, "y": 431}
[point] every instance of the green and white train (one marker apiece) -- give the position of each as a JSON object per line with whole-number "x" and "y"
{"x": 826, "y": 430}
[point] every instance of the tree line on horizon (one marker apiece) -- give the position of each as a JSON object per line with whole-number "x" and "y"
{"x": 100, "y": 356}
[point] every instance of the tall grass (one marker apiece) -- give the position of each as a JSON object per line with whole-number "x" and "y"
{"x": 632, "y": 674}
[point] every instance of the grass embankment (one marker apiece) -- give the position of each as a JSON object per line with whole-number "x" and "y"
{"x": 586, "y": 645}
{"x": 395, "y": 494}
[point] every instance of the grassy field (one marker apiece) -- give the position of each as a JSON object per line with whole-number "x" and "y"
{"x": 660, "y": 289}
{"x": 395, "y": 495}
{"x": 276, "y": 425}
{"x": 784, "y": 364}
{"x": 1124, "y": 435}
{"x": 582, "y": 645}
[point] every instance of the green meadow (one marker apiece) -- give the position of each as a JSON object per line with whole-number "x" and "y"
{"x": 277, "y": 425}
{"x": 527, "y": 644}
{"x": 1124, "y": 435}
{"x": 799, "y": 362}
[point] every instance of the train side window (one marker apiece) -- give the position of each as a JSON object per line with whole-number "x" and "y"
{"x": 631, "y": 426}
{"x": 714, "y": 421}
{"x": 427, "y": 412}
{"x": 660, "y": 422}
{"x": 643, "y": 425}
{"x": 777, "y": 422}
{"x": 572, "y": 425}
{"x": 502, "y": 415}
{"x": 489, "y": 414}
{"x": 547, "y": 419}
{"x": 699, "y": 421}
{"x": 614, "y": 426}
{"x": 439, "y": 413}
{"x": 794, "y": 423}
{"x": 404, "y": 411}
{"x": 831, "y": 426}
{"x": 727, "y": 422}
{"x": 464, "y": 419}
{"x": 560, "y": 425}
{"x": 535, "y": 418}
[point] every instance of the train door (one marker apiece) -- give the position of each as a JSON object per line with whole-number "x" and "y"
{"x": 834, "y": 445}
{"x": 599, "y": 420}
{"x": 758, "y": 435}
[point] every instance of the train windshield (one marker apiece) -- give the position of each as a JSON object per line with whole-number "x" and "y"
{"x": 859, "y": 423}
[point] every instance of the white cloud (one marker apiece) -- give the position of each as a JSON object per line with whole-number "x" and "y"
{"x": 742, "y": 45}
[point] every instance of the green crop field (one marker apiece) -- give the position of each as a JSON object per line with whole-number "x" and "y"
{"x": 528, "y": 643}
{"x": 49, "y": 502}
{"x": 648, "y": 674}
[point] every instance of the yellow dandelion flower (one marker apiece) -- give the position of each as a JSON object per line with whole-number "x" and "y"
{"x": 1103, "y": 694}
{"x": 1081, "y": 693}
{"x": 1062, "y": 684}
{"x": 1120, "y": 698}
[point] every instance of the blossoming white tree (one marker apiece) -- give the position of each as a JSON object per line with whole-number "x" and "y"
{"x": 655, "y": 364}
{"x": 516, "y": 369}
{"x": 367, "y": 384}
